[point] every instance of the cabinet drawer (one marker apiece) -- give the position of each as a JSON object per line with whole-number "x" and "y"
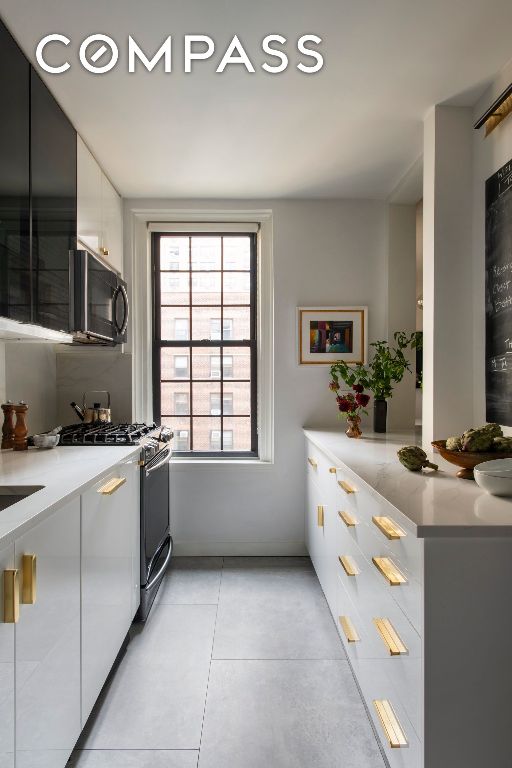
{"x": 401, "y": 685}
{"x": 319, "y": 467}
{"x": 317, "y": 539}
{"x": 372, "y": 643}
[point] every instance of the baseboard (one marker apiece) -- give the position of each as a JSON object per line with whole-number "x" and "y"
{"x": 238, "y": 548}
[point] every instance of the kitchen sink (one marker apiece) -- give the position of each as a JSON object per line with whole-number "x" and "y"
{"x": 11, "y": 494}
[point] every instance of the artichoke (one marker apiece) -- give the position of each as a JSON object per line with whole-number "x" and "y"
{"x": 480, "y": 440}
{"x": 454, "y": 444}
{"x": 503, "y": 444}
{"x": 414, "y": 458}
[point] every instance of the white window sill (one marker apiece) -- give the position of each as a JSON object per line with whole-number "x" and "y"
{"x": 189, "y": 463}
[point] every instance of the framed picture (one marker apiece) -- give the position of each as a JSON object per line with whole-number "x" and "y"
{"x": 329, "y": 334}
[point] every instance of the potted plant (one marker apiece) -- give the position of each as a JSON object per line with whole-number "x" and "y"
{"x": 386, "y": 368}
{"x": 350, "y": 405}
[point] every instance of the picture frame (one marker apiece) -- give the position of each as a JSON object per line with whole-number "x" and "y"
{"x": 326, "y": 335}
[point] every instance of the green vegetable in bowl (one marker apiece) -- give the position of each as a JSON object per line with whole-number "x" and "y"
{"x": 414, "y": 458}
{"x": 454, "y": 444}
{"x": 480, "y": 440}
{"x": 503, "y": 444}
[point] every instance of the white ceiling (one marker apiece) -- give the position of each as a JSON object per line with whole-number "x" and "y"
{"x": 352, "y": 130}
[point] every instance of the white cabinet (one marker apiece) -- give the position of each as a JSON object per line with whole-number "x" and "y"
{"x": 48, "y": 640}
{"x": 6, "y": 664}
{"x": 99, "y": 210}
{"x": 110, "y": 530}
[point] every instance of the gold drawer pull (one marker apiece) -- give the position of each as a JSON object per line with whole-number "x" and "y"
{"x": 389, "y": 528}
{"x": 349, "y": 630}
{"x": 390, "y": 636}
{"x": 313, "y": 462}
{"x": 389, "y": 570}
{"x": 390, "y": 724}
{"x": 348, "y": 519}
{"x": 349, "y": 565}
{"x": 320, "y": 516}
{"x": 112, "y": 486}
{"x": 332, "y": 470}
{"x": 346, "y": 486}
{"x": 11, "y": 597}
{"x": 28, "y": 579}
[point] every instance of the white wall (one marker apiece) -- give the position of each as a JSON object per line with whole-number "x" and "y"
{"x": 30, "y": 375}
{"x": 489, "y": 154}
{"x": 325, "y": 253}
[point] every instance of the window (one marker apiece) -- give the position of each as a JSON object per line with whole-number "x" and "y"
{"x": 181, "y": 366}
{"x": 205, "y": 336}
{"x": 227, "y": 400}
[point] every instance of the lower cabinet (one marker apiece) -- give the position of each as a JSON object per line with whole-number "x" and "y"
{"x": 47, "y": 559}
{"x": 110, "y": 528}
{"x": 6, "y": 659}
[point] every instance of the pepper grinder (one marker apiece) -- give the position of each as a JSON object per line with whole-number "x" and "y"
{"x": 8, "y": 425}
{"x": 20, "y": 429}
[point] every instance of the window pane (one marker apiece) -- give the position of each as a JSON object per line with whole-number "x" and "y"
{"x": 175, "y": 399}
{"x": 175, "y": 287}
{"x": 203, "y": 428}
{"x": 203, "y": 322}
{"x": 241, "y": 362}
{"x": 206, "y": 288}
{"x": 175, "y": 324}
{"x": 237, "y": 288}
{"x": 204, "y": 361}
{"x": 237, "y": 252}
{"x": 241, "y": 431}
{"x": 205, "y": 393}
{"x": 240, "y": 393}
{"x": 227, "y": 403}
{"x": 174, "y": 253}
{"x": 174, "y": 363}
{"x": 181, "y": 429}
{"x": 206, "y": 252}
{"x": 237, "y": 323}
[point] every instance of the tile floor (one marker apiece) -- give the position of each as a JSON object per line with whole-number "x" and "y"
{"x": 238, "y": 666}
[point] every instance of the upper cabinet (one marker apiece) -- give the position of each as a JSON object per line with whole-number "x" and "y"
{"x": 53, "y": 188}
{"x": 99, "y": 210}
{"x": 15, "y": 286}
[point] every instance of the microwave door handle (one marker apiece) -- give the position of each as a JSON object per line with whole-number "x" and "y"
{"x": 120, "y": 290}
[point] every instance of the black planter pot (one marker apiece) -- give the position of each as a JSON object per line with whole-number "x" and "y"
{"x": 380, "y": 413}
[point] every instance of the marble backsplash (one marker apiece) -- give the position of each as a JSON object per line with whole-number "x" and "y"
{"x": 86, "y": 370}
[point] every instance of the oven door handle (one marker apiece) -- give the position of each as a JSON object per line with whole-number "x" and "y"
{"x": 164, "y": 460}
{"x": 168, "y": 540}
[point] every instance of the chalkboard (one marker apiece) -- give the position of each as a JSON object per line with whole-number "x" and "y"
{"x": 498, "y": 295}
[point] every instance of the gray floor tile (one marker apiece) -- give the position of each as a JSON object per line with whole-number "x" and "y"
{"x": 155, "y": 699}
{"x": 191, "y": 580}
{"x": 100, "y": 758}
{"x": 267, "y": 562}
{"x": 274, "y": 613}
{"x": 286, "y": 714}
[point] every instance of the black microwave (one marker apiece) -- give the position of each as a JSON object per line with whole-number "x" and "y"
{"x": 99, "y": 306}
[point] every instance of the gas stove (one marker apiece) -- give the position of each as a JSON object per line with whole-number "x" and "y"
{"x": 112, "y": 434}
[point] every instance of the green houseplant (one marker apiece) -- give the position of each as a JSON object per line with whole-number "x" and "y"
{"x": 386, "y": 368}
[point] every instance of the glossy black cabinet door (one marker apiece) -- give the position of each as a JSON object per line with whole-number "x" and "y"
{"x": 15, "y": 284}
{"x": 53, "y": 175}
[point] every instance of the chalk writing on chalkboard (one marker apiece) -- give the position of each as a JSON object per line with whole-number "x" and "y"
{"x": 498, "y": 299}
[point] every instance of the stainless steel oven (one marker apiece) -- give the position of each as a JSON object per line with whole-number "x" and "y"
{"x": 99, "y": 308}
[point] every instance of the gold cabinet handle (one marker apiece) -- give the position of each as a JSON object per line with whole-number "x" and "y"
{"x": 346, "y": 486}
{"x": 349, "y": 565}
{"x": 348, "y": 519}
{"x": 389, "y": 528}
{"x": 349, "y": 630}
{"x": 11, "y": 597}
{"x": 313, "y": 462}
{"x": 320, "y": 516}
{"x": 389, "y": 570}
{"x": 112, "y": 486}
{"x": 104, "y": 251}
{"x": 390, "y": 637}
{"x": 28, "y": 579}
{"x": 390, "y": 724}
{"x": 332, "y": 470}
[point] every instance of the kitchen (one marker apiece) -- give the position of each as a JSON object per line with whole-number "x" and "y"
{"x": 196, "y": 563}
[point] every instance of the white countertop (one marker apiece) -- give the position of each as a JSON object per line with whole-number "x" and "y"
{"x": 437, "y": 503}
{"x": 62, "y": 471}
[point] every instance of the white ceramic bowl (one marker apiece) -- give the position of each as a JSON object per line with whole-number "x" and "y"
{"x": 496, "y": 485}
{"x": 46, "y": 441}
{"x": 500, "y": 467}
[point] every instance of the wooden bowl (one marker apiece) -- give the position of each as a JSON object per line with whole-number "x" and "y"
{"x": 467, "y": 460}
